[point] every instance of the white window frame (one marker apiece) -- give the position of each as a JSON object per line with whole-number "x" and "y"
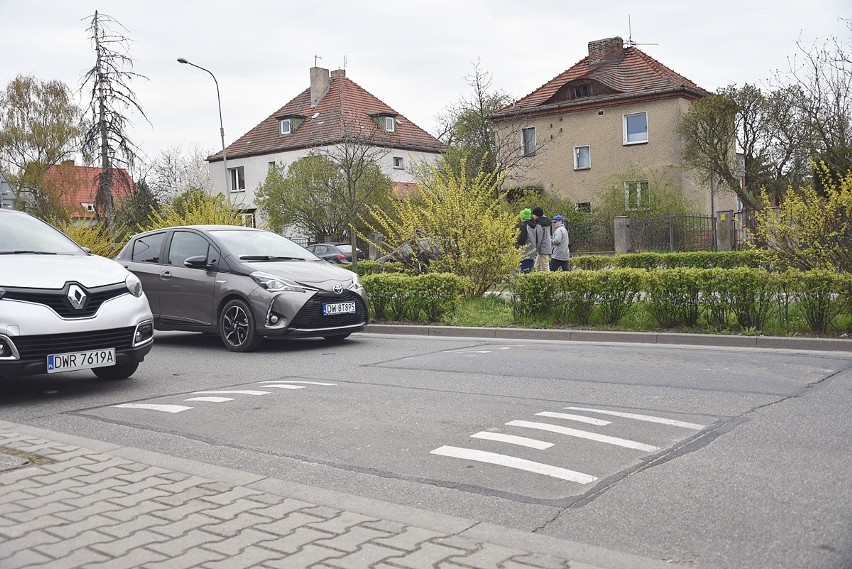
{"x": 237, "y": 178}
{"x": 390, "y": 124}
{"x": 247, "y": 219}
{"x": 637, "y": 138}
{"x": 90, "y": 207}
{"x": 285, "y": 126}
{"x": 528, "y": 142}
{"x": 398, "y": 163}
{"x": 578, "y": 165}
{"x": 642, "y": 191}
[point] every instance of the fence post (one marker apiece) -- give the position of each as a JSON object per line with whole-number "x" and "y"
{"x": 725, "y": 230}
{"x": 623, "y": 239}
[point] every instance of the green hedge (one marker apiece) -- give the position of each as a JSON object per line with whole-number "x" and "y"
{"x": 421, "y": 298}
{"x": 753, "y": 258}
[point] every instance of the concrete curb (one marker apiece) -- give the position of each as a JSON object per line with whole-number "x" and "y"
{"x": 669, "y": 338}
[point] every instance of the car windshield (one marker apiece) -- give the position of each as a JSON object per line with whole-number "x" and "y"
{"x": 23, "y": 234}
{"x": 261, "y": 246}
{"x": 345, "y": 248}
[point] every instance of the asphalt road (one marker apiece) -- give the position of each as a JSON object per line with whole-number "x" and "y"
{"x": 717, "y": 457}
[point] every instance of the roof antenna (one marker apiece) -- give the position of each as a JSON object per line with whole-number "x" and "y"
{"x": 630, "y": 42}
{"x": 315, "y": 59}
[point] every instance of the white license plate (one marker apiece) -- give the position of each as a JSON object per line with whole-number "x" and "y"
{"x": 338, "y": 308}
{"x": 87, "y": 359}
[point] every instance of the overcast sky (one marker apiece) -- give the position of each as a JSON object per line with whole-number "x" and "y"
{"x": 414, "y": 55}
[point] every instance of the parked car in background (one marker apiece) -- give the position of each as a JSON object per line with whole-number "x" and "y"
{"x": 346, "y": 248}
{"x": 328, "y": 252}
{"x": 64, "y": 309}
{"x": 243, "y": 284}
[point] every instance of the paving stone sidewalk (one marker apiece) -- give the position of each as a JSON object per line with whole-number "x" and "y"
{"x": 68, "y": 502}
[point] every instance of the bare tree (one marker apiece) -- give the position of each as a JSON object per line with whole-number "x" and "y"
{"x": 178, "y": 169}
{"x": 110, "y": 101}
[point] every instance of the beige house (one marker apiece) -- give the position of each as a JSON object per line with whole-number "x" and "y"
{"x": 610, "y": 120}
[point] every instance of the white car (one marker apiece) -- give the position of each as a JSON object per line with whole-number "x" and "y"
{"x": 64, "y": 309}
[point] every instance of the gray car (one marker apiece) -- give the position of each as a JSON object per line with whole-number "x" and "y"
{"x": 64, "y": 309}
{"x": 243, "y": 284}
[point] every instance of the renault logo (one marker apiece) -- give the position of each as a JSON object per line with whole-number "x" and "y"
{"x": 77, "y": 297}
{"x": 338, "y": 289}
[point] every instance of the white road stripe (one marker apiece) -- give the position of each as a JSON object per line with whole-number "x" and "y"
{"x": 233, "y": 392}
{"x": 648, "y": 418}
{"x": 284, "y": 386}
{"x": 211, "y": 399}
{"x": 570, "y": 417}
{"x": 513, "y": 462}
{"x": 296, "y": 381}
{"x": 512, "y": 439}
{"x": 584, "y": 435}
{"x": 151, "y": 406}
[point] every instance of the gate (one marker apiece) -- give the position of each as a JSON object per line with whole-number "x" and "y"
{"x": 672, "y": 233}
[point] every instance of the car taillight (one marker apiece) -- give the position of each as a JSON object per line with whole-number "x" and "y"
{"x": 341, "y": 258}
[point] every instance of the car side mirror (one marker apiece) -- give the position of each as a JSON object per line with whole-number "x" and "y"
{"x": 197, "y": 262}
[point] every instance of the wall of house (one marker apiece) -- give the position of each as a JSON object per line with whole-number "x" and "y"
{"x": 257, "y": 167}
{"x": 602, "y": 130}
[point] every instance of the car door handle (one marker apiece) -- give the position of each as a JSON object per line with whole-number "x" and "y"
{"x": 165, "y": 275}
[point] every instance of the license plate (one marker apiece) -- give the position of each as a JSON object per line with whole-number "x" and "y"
{"x": 338, "y": 308}
{"x": 86, "y": 359}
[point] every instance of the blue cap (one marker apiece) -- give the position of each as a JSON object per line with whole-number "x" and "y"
{"x": 558, "y": 218}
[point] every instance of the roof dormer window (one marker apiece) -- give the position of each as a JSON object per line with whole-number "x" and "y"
{"x": 288, "y": 124}
{"x": 385, "y": 122}
{"x": 390, "y": 124}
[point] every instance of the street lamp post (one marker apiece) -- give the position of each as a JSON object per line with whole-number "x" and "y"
{"x": 221, "y": 126}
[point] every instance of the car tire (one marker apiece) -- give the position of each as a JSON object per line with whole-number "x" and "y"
{"x": 336, "y": 338}
{"x": 116, "y": 372}
{"x": 237, "y": 327}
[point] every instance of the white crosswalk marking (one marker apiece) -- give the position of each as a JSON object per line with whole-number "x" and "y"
{"x": 584, "y": 435}
{"x": 648, "y": 418}
{"x": 295, "y": 381}
{"x": 153, "y": 407}
{"x": 210, "y": 399}
{"x": 232, "y": 392}
{"x": 578, "y": 418}
{"x": 512, "y": 439}
{"x": 513, "y": 462}
{"x": 284, "y": 386}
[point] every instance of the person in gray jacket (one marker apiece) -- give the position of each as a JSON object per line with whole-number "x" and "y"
{"x": 543, "y": 247}
{"x": 560, "y": 259}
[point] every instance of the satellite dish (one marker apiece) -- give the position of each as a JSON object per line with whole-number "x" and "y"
{"x": 630, "y": 42}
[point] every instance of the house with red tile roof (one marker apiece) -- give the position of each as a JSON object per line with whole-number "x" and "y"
{"x": 76, "y": 187}
{"x": 610, "y": 119}
{"x": 332, "y": 110}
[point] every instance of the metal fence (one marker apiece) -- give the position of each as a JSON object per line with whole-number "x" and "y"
{"x": 591, "y": 236}
{"x": 672, "y": 233}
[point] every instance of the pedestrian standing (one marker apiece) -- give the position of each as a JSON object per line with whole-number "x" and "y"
{"x": 526, "y": 240}
{"x": 543, "y": 246}
{"x": 560, "y": 259}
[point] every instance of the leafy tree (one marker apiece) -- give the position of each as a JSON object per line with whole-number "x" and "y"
{"x": 810, "y": 230}
{"x": 460, "y": 216}
{"x": 315, "y": 195}
{"x": 40, "y": 126}
{"x": 764, "y": 128}
{"x": 111, "y": 98}
{"x": 194, "y": 207}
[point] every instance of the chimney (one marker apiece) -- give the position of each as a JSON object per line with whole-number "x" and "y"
{"x": 319, "y": 84}
{"x": 338, "y": 73}
{"x": 602, "y": 51}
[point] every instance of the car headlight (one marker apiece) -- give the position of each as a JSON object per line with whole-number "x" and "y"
{"x": 276, "y": 284}
{"x": 134, "y": 285}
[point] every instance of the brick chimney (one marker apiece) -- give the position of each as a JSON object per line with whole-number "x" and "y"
{"x": 602, "y": 51}
{"x": 319, "y": 84}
